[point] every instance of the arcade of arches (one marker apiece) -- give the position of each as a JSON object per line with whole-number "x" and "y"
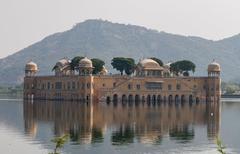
{"x": 130, "y": 98}
{"x": 148, "y": 84}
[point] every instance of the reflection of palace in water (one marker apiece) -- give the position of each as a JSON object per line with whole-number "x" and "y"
{"x": 149, "y": 83}
{"x": 87, "y": 123}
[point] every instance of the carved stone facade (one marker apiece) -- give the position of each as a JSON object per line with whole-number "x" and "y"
{"x": 149, "y": 84}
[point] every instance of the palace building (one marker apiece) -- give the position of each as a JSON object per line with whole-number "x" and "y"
{"x": 150, "y": 83}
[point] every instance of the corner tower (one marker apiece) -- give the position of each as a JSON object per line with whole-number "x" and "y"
{"x": 214, "y": 82}
{"x": 31, "y": 69}
{"x": 214, "y": 69}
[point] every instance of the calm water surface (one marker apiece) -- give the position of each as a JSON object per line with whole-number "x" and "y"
{"x": 28, "y": 127}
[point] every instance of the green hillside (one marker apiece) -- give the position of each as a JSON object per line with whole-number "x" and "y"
{"x": 103, "y": 39}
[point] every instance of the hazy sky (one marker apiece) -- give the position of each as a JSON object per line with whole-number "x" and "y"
{"x": 24, "y": 22}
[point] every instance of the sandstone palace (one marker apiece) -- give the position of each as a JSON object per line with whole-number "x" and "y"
{"x": 150, "y": 83}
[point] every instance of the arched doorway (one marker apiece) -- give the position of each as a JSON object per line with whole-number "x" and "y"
{"x": 183, "y": 99}
{"x": 143, "y": 99}
{"x": 124, "y": 98}
{"x": 130, "y": 98}
{"x": 137, "y": 99}
{"x": 197, "y": 100}
{"x": 190, "y": 99}
{"x": 170, "y": 99}
{"x": 108, "y": 100}
{"x": 177, "y": 99}
{"x": 159, "y": 99}
{"x": 148, "y": 99}
{"x": 154, "y": 99}
{"x": 115, "y": 98}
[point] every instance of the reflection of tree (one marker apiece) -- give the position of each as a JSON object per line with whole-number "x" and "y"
{"x": 158, "y": 140}
{"x": 74, "y": 135}
{"x": 123, "y": 136}
{"x": 97, "y": 135}
{"x": 182, "y": 134}
{"x": 77, "y": 136}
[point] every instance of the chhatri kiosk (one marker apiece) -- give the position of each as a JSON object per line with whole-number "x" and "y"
{"x": 151, "y": 83}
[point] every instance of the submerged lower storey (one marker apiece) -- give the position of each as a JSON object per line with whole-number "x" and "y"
{"x": 122, "y": 88}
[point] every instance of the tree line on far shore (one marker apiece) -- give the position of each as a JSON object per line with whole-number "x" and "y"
{"x": 128, "y": 65}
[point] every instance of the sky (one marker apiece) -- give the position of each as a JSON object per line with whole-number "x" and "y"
{"x": 24, "y": 22}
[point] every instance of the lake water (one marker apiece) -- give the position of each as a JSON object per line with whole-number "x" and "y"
{"x": 28, "y": 127}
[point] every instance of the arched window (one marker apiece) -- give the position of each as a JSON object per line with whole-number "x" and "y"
{"x": 129, "y": 86}
{"x": 169, "y": 87}
{"x": 178, "y": 87}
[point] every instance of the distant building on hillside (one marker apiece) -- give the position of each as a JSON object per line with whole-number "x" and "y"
{"x": 151, "y": 83}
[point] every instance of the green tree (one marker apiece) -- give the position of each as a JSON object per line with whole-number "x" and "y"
{"x": 123, "y": 136}
{"x": 118, "y": 64}
{"x": 186, "y": 66}
{"x": 98, "y": 65}
{"x": 220, "y": 146}
{"x": 183, "y": 66}
{"x": 183, "y": 135}
{"x": 59, "y": 143}
{"x": 75, "y": 61}
{"x": 54, "y": 68}
{"x": 157, "y": 60}
{"x": 175, "y": 68}
{"x": 129, "y": 66}
{"x": 123, "y": 64}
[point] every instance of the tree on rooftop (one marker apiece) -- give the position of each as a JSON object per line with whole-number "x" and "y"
{"x": 118, "y": 64}
{"x": 183, "y": 66}
{"x": 98, "y": 65}
{"x": 123, "y": 64}
{"x": 157, "y": 60}
{"x": 187, "y": 66}
{"x": 129, "y": 66}
{"x": 75, "y": 61}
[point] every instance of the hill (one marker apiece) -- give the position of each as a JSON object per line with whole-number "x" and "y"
{"x": 104, "y": 39}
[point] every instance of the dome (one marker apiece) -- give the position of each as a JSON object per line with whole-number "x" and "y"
{"x": 62, "y": 63}
{"x": 214, "y": 67}
{"x": 104, "y": 70}
{"x": 85, "y": 62}
{"x": 31, "y": 66}
{"x": 149, "y": 64}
